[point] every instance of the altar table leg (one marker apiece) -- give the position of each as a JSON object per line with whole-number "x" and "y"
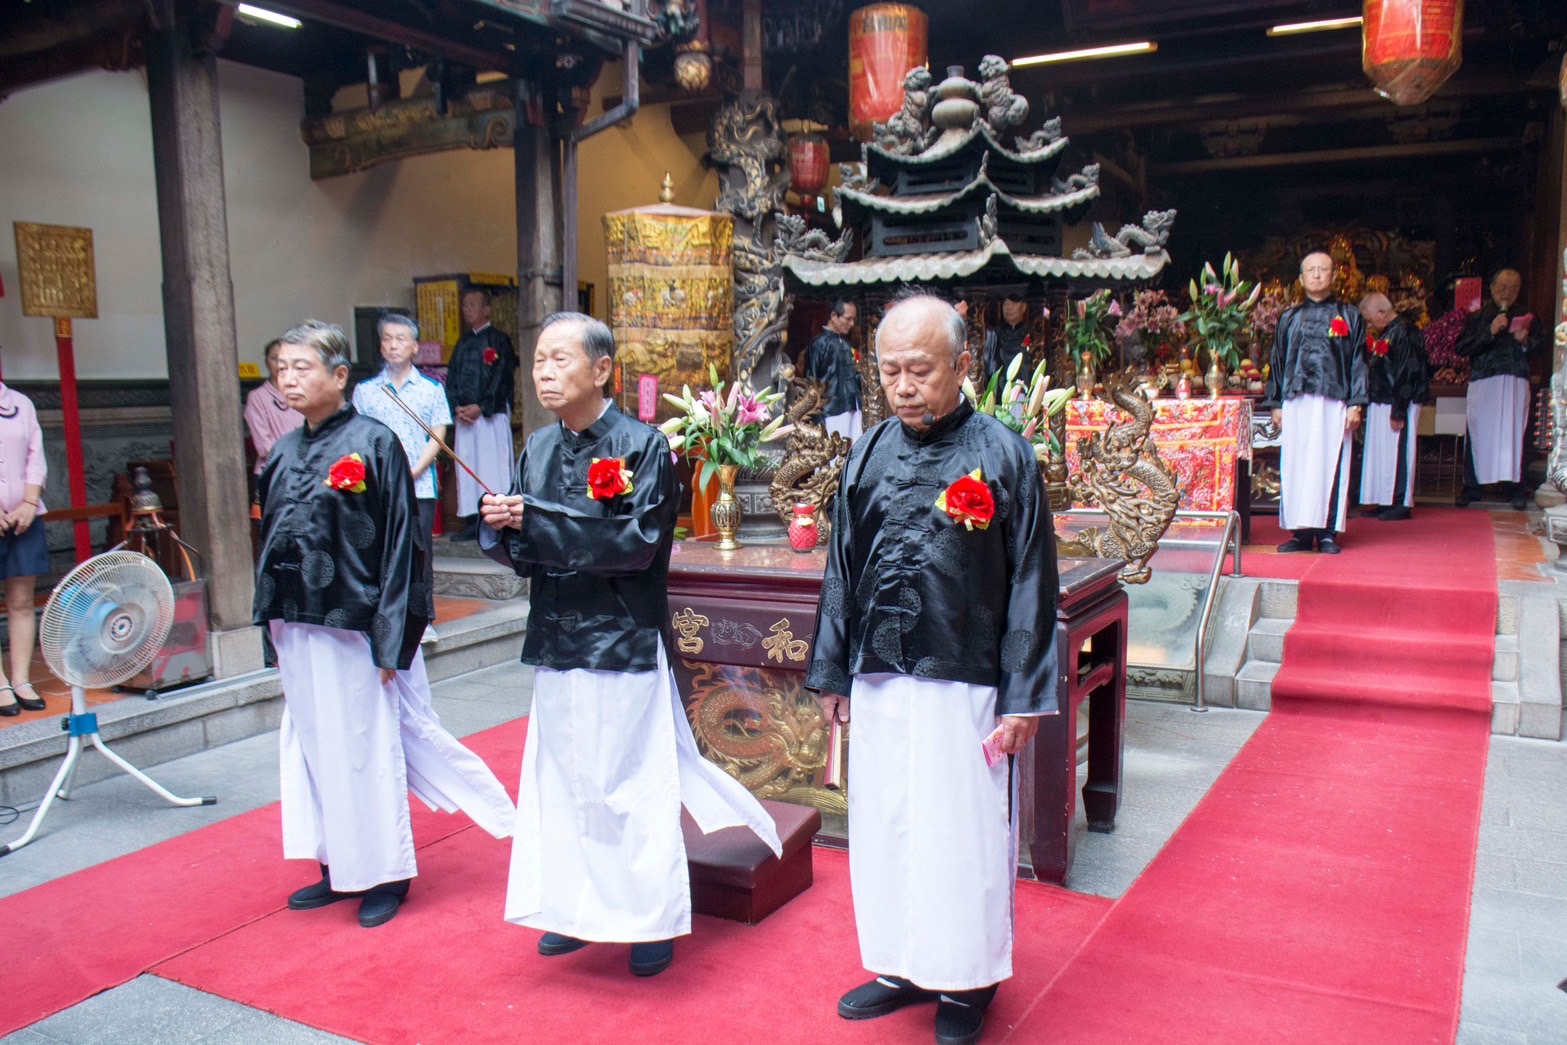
{"x": 1106, "y": 723}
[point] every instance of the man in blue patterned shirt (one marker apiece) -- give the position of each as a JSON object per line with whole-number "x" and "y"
{"x": 427, "y": 399}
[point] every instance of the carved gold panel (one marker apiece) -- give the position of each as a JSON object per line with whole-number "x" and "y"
{"x": 55, "y": 265}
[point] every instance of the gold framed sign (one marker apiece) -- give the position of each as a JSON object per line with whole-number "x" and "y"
{"x": 55, "y": 263}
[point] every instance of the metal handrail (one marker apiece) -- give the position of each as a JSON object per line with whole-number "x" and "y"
{"x": 1230, "y": 538}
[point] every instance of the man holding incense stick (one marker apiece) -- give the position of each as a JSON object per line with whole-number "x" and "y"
{"x": 420, "y": 427}
{"x": 598, "y": 854}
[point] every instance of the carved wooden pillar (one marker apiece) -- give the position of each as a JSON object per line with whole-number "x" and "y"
{"x": 539, "y": 291}
{"x": 198, "y": 319}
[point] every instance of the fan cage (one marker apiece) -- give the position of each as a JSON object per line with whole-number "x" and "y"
{"x": 106, "y": 620}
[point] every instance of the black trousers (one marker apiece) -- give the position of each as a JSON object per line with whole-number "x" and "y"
{"x": 424, "y": 542}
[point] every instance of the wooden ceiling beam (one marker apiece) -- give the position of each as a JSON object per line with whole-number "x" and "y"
{"x": 346, "y": 16}
{"x": 1360, "y": 154}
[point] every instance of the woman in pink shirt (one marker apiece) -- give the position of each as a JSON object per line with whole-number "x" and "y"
{"x": 267, "y": 413}
{"x": 24, "y": 550}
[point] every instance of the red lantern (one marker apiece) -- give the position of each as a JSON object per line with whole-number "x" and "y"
{"x": 885, "y": 42}
{"x": 1411, "y": 47}
{"x": 808, "y": 164}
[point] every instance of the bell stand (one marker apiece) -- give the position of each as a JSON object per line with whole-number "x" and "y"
{"x": 83, "y": 727}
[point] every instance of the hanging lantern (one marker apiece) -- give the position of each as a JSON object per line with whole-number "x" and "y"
{"x": 808, "y": 164}
{"x": 885, "y": 42}
{"x": 1411, "y": 47}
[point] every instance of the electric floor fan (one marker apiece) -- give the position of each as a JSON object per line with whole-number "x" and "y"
{"x": 104, "y": 623}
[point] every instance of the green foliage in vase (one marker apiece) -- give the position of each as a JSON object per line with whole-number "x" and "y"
{"x": 1090, "y": 327}
{"x": 716, "y": 429}
{"x": 1219, "y": 319}
{"x": 1023, "y": 406}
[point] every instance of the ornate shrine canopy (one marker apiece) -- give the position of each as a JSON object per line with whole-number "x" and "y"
{"x": 994, "y": 263}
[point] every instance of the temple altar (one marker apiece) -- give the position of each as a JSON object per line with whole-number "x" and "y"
{"x": 1206, "y": 441}
{"x": 744, "y": 623}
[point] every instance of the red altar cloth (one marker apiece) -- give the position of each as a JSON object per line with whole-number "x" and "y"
{"x": 1201, "y": 439}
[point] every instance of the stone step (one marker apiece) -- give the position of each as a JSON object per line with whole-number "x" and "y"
{"x": 1504, "y": 667}
{"x": 1254, "y": 685}
{"x": 1266, "y": 640}
{"x": 467, "y": 577}
{"x": 1279, "y": 599}
{"x": 184, "y": 721}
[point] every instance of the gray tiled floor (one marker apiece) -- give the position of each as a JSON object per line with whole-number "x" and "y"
{"x": 1518, "y": 938}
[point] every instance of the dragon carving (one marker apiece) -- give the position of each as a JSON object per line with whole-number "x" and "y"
{"x": 1000, "y": 106}
{"x": 1043, "y": 138}
{"x": 1150, "y": 238}
{"x": 1117, "y": 466}
{"x": 813, "y": 458}
{"x": 771, "y": 741}
{"x": 908, "y": 131}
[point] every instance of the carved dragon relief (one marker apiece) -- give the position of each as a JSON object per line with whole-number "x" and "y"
{"x": 1149, "y": 239}
{"x": 1120, "y": 470}
{"x": 813, "y": 459}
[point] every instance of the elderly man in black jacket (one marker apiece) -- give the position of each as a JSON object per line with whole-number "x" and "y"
{"x": 937, "y": 623}
{"x": 334, "y": 582}
{"x": 829, "y": 358}
{"x": 480, "y": 382}
{"x": 590, "y": 520}
{"x": 1396, "y": 384}
{"x": 1498, "y": 340}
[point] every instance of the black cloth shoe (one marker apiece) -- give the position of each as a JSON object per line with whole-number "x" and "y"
{"x": 1518, "y": 501}
{"x": 650, "y": 959}
{"x": 551, "y": 944}
{"x": 882, "y": 995}
{"x": 1395, "y": 513}
{"x": 380, "y": 904}
{"x": 468, "y": 533}
{"x": 1371, "y": 511}
{"x": 35, "y": 702}
{"x": 960, "y": 1015}
{"x": 1296, "y": 544}
{"x": 318, "y": 895}
{"x": 1465, "y": 498}
{"x": 1328, "y": 546}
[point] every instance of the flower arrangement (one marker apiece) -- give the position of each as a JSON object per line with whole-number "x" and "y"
{"x": 719, "y": 429}
{"x": 1447, "y": 366}
{"x": 1089, "y": 325}
{"x": 1219, "y": 319}
{"x": 1023, "y": 406}
{"x": 1153, "y": 321}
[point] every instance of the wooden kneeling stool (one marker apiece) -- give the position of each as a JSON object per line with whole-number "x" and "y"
{"x": 735, "y": 875}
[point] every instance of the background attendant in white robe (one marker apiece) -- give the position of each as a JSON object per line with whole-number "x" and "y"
{"x": 938, "y": 619}
{"x": 1317, "y": 391}
{"x": 480, "y": 384}
{"x": 1396, "y": 385}
{"x": 598, "y": 853}
{"x": 335, "y": 582}
{"x": 1498, "y": 340}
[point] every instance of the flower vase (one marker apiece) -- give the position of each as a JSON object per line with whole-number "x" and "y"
{"x": 727, "y": 511}
{"x": 803, "y": 532}
{"x": 1086, "y": 377}
{"x": 1214, "y": 378}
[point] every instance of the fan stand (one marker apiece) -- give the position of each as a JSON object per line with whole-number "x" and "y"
{"x": 83, "y": 726}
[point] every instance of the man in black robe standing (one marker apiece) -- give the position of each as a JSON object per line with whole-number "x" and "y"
{"x": 937, "y": 622}
{"x": 334, "y": 584}
{"x": 1316, "y": 390}
{"x": 598, "y": 854}
{"x": 1498, "y": 340}
{"x": 1012, "y": 337}
{"x": 829, "y": 358}
{"x": 481, "y": 379}
{"x": 1396, "y": 385}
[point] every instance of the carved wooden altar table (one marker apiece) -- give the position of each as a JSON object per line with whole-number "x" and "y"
{"x": 744, "y": 626}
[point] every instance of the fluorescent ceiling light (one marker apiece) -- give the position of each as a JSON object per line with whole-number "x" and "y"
{"x": 1108, "y": 51}
{"x": 1315, "y": 27}
{"x": 261, "y": 14}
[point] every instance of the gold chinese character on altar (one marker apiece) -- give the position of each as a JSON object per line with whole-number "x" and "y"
{"x": 783, "y": 644}
{"x": 58, "y": 277}
{"x": 688, "y": 622}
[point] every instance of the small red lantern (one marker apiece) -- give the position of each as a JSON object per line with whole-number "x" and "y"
{"x": 1411, "y": 47}
{"x": 808, "y": 164}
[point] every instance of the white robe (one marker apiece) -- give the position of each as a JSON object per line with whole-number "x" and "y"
{"x": 598, "y": 853}
{"x": 849, "y": 424}
{"x": 932, "y": 833}
{"x": 350, "y": 751}
{"x": 486, "y": 446}
{"x": 1497, "y": 409}
{"x": 1314, "y": 455}
{"x": 1379, "y": 462}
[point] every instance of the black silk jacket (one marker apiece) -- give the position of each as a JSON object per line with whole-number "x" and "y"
{"x": 1002, "y": 343}
{"x": 469, "y": 379}
{"x": 909, "y": 591}
{"x": 1498, "y": 355}
{"x": 599, "y": 569}
{"x": 1309, "y": 360}
{"x": 830, "y": 360}
{"x": 1400, "y": 377}
{"x": 340, "y": 559}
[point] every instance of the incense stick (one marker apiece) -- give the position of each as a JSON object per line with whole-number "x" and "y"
{"x": 389, "y": 390}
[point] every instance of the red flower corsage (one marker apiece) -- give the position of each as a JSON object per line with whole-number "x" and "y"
{"x": 608, "y": 477}
{"x": 490, "y": 356}
{"x": 347, "y": 473}
{"x": 969, "y": 501}
{"x": 1338, "y": 328}
{"x": 1377, "y": 346}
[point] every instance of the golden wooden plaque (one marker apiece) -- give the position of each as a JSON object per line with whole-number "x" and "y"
{"x": 55, "y": 263}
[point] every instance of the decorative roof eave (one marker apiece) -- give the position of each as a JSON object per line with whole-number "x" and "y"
{"x": 980, "y": 131}
{"x": 1136, "y": 268}
{"x": 929, "y": 203}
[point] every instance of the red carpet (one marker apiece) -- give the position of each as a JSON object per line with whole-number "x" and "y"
{"x": 1320, "y": 892}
